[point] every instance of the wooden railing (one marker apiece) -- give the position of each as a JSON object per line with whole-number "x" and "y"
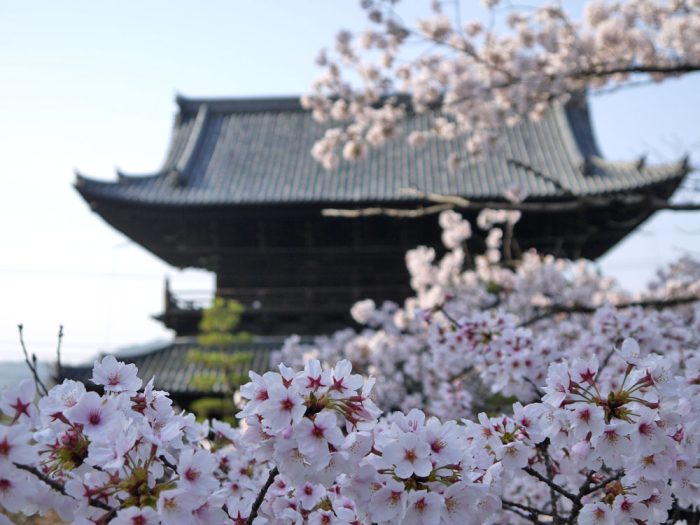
{"x": 289, "y": 298}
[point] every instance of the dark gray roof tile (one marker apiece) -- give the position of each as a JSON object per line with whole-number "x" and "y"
{"x": 257, "y": 151}
{"x": 171, "y": 369}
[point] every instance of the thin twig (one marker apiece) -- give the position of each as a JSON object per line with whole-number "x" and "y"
{"x": 518, "y": 512}
{"x": 568, "y": 495}
{"x": 59, "y": 368}
{"x": 451, "y": 319}
{"x": 526, "y": 508}
{"x": 31, "y": 363}
{"x": 58, "y": 486}
{"x": 553, "y": 496}
{"x": 261, "y": 496}
{"x": 583, "y": 309}
{"x": 578, "y": 505}
{"x": 606, "y": 360}
{"x": 538, "y": 390}
{"x": 585, "y": 490}
{"x": 508, "y": 242}
{"x": 167, "y": 463}
{"x": 602, "y": 484}
{"x": 525, "y": 512}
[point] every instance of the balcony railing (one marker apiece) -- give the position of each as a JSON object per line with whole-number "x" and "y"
{"x": 285, "y": 299}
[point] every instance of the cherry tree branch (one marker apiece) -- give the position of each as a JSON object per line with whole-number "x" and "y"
{"x": 261, "y": 496}
{"x": 671, "y": 69}
{"x": 532, "y": 472}
{"x": 587, "y": 489}
{"x": 592, "y": 73}
{"x": 484, "y": 80}
{"x": 388, "y": 212}
{"x": 645, "y": 303}
{"x": 58, "y": 487}
{"x": 553, "y": 495}
{"x": 167, "y": 463}
{"x": 59, "y": 365}
{"x": 32, "y": 364}
{"x": 452, "y": 202}
{"x": 602, "y": 484}
{"x": 525, "y": 511}
{"x": 689, "y": 516}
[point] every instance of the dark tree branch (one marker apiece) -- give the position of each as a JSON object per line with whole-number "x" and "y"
{"x": 553, "y": 495}
{"x": 659, "y": 304}
{"x": 532, "y": 472}
{"x": 602, "y": 484}
{"x": 31, "y": 363}
{"x": 524, "y": 511}
{"x": 683, "y": 206}
{"x": 261, "y": 496}
{"x": 587, "y": 489}
{"x": 537, "y": 389}
{"x": 59, "y": 367}
{"x": 59, "y": 487}
{"x": 592, "y": 72}
{"x": 673, "y": 69}
{"x": 167, "y": 463}
{"x": 526, "y": 508}
{"x": 449, "y": 317}
{"x": 691, "y": 516}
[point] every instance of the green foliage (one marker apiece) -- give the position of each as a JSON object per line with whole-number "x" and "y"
{"x": 215, "y": 407}
{"x": 224, "y": 370}
{"x": 493, "y": 287}
{"x": 498, "y": 404}
{"x": 218, "y": 324}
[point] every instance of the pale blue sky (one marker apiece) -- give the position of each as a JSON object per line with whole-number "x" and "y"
{"x": 91, "y": 85}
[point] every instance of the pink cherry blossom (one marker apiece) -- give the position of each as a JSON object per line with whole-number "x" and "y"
{"x": 93, "y": 413}
{"x": 408, "y": 456}
{"x": 282, "y": 408}
{"x": 595, "y": 436}
{"x": 196, "y": 471}
{"x": 18, "y": 402}
{"x": 115, "y": 376}
{"x": 136, "y": 516}
{"x": 14, "y": 445}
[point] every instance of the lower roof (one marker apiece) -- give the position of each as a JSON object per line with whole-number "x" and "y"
{"x": 169, "y": 367}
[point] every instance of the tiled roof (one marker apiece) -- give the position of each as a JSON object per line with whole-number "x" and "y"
{"x": 171, "y": 369}
{"x": 257, "y": 151}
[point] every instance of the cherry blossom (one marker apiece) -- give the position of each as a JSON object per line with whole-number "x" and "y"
{"x": 18, "y": 403}
{"x": 14, "y": 447}
{"x": 472, "y": 79}
{"x": 114, "y": 376}
{"x": 93, "y": 412}
{"x": 496, "y": 394}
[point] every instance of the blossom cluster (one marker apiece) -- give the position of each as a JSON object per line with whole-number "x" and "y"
{"x": 484, "y": 78}
{"x": 310, "y": 445}
{"x": 477, "y": 327}
{"x": 478, "y": 335}
{"x": 499, "y": 393}
{"x": 314, "y": 448}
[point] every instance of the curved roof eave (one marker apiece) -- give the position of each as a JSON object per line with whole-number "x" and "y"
{"x": 564, "y": 145}
{"x": 94, "y": 191}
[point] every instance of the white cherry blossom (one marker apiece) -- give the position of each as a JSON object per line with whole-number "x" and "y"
{"x": 115, "y": 376}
